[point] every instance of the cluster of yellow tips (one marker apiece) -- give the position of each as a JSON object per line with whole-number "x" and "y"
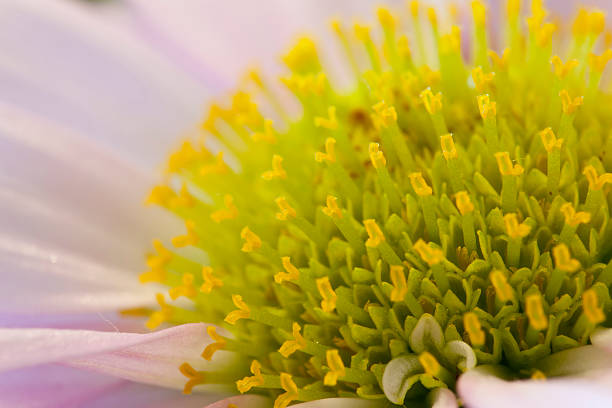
{"x": 447, "y": 212}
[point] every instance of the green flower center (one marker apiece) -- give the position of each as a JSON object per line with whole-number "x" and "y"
{"x": 436, "y": 218}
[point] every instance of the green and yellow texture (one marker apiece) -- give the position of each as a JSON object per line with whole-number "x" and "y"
{"x": 448, "y": 212}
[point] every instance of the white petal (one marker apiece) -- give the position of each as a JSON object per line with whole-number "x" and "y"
{"x": 478, "y": 389}
{"x": 151, "y": 358}
{"x": 52, "y": 386}
{"x": 443, "y": 398}
{"x": 63, "y": 60}
{"x": 250, "y": 401}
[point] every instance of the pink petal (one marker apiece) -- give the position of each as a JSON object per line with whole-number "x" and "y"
{"x": 151, "y": 358}
{"x": 342, "y": 403}
{"x": 478, "y": 389}
{"x": 443, "y": 398}
{"x": 243, "y": 401}
{"x": 55, "y": 386}
{"x": 61, "y": 60}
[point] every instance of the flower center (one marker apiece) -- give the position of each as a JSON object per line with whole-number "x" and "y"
{"x": 444, "y": 214}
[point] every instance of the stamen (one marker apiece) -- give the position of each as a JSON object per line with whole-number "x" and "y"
{"x": 328, "y": 304}
{"x": 185, "y": 289}
{"x": 303, "y": 57}
{"x": 286, "y": 211}
{"x": 562, "y": 70}
{"x": 277, "y": 171}
{"x": 252, "y": 240}
{"x": 398, "y": 278}
{"x": 160, "y": 316}
{"x": 218, "y": 167}
{"x": 330, "y": 123}
{"x": 191, "y": 238}
{"x": 429, "y": 363}
{"x": 482, "y": 80}
{"x": 292, "y": 274}
{"x": 291, "y": 394}
{"x": 330, "y": 151}
{"x": 255, "y": 380}
{"x": 592, "y": 309}
{"x": 383, "y": 115}
{"x": 464, "y": 203}
{"x": 596, "y": 182}
{"x": 291, "y": 346}
{"x": 502, "y": 289}
{"x": 431, "y": 256}
{"x": 336, "y": 368}
{"x": 501, "y": 63}
{"x": 570, "y": 105}
{"x": 538, "y": 375}
{"x": 549, "y": 140}
{"x": 375, "y": 234}
{"x": 243, "y": 311}
{"x": 332, "y": 209}
{"x": 448, "y": 146}
{"x": 487, "y": 108}
{"x": 377, "y": 157}
{"x": 419, "y": 184}
{"x": 573, "y": 217}
{"x": 210, "y": 281}
{"x": 513, "y": 228}
{"x": 218, "y": 344}
{"x": 535, "y": 312}
{"x": 230, "y": 211}
{"x": 564, "y": 260}
{"x": 474, "y": 329}
{"x": 598, "y": 62}
{"x": 194, "y": 377}
{"x": 433, "y": 103}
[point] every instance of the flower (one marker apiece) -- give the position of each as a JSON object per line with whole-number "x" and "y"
{"x": 465, "y": 247}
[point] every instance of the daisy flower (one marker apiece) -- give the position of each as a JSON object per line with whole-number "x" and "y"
{"x": 419, "y": 217}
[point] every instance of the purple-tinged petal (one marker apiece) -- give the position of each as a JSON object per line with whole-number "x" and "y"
{"x": 342, "y": 403}
{"x": 151, "y": 358}
{"x": 57, "y": 386}
{"x": 479, "y": 389}
{"x": 61, "y": 59}
{"x": 243, "y": 401}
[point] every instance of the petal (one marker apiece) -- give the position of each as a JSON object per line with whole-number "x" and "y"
{"x": 66, "y": 65}
{"x": 478, "y": 389}
{"x": 151, "y": 358}
{"x": 578, "y": 360}
{"x": 342, "y": 403}
{"x": 250, "y": 401}
{"x": 443, "y": 398}
{"x": 55, "y": 385}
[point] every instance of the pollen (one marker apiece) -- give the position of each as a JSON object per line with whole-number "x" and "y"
{"x": 336, "y": 368}
{"x": 375, "y": 234}
{"x": 277, "y": 171}
{"x": 535, "y": 312}
{"x": 570, "y": 105}
{"x": 448, "y": 146}
{"x": 256, "y": 380}
{"x": 573, "y": 217}
{"x": 286, "y": 211}
{"x": 549, "y": 140}
{"x": 474, "y": 329}
{"x": 433, "y": 103}
{"x": 191, "y": 238}
{"x": 487, "y": 108}
{"x": 330, "y": 123}
{"x": 419, "y": 184}
{"x": 243, "y": 311}
{"x": 332, "y": 209}
{"x": 592, "y": 309}
{"x": 430, "y": 255}
{"x": 328, "y": 304}
{"x": 210, "y": 281}
{"x": 252, "y": 242}
{"x": 398, "y": 278}
{"x": 514, "y": 229}
{"x": 506, "y": 168}
{"x": 292, "y": 273}
{"x": 230, "y": 211}
{"x": 564, "y": 260}
{"x": 503, "y": 290}
{"x": 464, "y": 203}
{"x": 330, "y": 151}
{"x": 218, "y": 344}
{"x": 377, "y": 157}
{"x": 297, "y": 343}
{"x": 291, "y": 391}
{"x": 429, "y": 363}
{"x": 596, "y": 181}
